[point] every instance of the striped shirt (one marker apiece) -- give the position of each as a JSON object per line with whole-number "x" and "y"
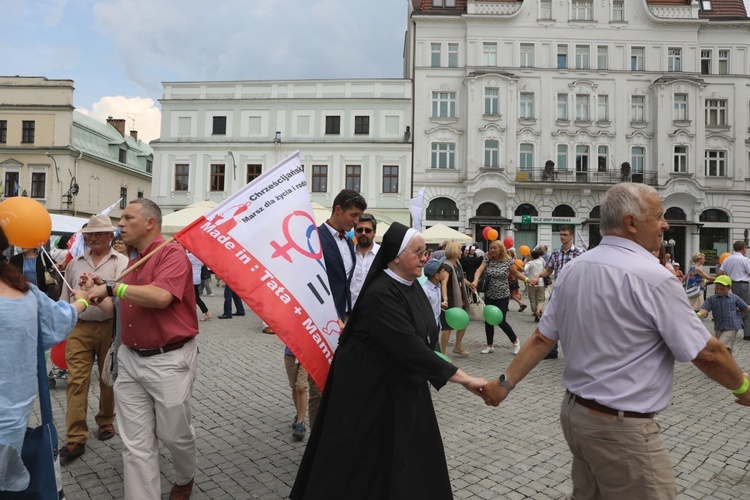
{"x": 561, "y": 257}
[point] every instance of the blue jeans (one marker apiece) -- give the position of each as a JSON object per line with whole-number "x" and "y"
{"x": 230, "y": 296}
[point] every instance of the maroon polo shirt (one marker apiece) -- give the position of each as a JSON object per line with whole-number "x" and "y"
{"x": 149, "y": 328}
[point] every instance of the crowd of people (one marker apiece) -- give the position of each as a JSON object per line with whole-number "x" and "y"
{"x": 375, "y": 418}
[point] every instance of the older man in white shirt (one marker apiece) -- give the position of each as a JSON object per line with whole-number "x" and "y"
{"x": 737, "y": 267}
{"x": 364, "y": 252}
{"x": 621, "y": 339}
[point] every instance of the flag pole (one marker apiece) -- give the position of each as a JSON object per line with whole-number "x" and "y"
{"x": 143, "y": 260}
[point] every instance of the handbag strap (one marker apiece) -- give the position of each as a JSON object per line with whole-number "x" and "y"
{"x": 41, "y": 367}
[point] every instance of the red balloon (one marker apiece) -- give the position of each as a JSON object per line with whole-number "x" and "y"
{"x": 508, "y": 242}
{"x": 485, "y": 231}
{"x": 57, "y": 355}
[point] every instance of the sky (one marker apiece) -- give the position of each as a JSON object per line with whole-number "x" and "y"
{"x": 118, "y": 52}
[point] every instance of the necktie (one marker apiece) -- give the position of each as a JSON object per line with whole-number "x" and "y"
{"x": 342, "y": 235}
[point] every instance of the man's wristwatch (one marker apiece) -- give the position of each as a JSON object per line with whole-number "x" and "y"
{"x": 505, "y": 382}
{"x": 110, "y": 287}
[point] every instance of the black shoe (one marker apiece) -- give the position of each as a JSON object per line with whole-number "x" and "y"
{"x": 72, "y": 450}
{"x": 551, "y": 355}
{"x": 239, "y": 314}
{"x": 225, "y": 316}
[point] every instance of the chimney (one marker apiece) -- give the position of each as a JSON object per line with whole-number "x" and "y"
{"x": 134, "y": 134}
{"x": 118, "y": 123}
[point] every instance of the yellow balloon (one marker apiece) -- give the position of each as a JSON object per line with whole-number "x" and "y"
{"x": 25, "y": 222}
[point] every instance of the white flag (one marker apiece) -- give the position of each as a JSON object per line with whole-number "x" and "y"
{"x": 416, "y": 207}
{"x": 107, "y": 210}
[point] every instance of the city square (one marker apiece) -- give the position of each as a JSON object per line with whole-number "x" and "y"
{"x": 242, "y": 409}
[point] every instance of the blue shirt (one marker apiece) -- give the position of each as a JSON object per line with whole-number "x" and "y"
{"x": 726, "y": 311}
{"x": 29, "y": 269}
{"x": 24, "y": 319}
{"x": 433, "y": 293}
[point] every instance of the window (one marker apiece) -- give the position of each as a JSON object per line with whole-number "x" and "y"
{"x": 453, "y": 55}
{"x": 582, "y": 57}
{"x": 582, "y": 158}
{"x": 442, "y": 209}
{"x": 583, "y": 10}
{"x": 220, "y": 125}
{"x": 637, "y": 59}
{"x": 443, "y": 3}
{"x": 491, "y": 101}
{"x": 362, "y": 125}
{"x": 11, "y": 186}
{"x": 217, "y": 177}
{"x": 618, "y": 11}
{"x": 489, "y": 54}
{"x": 562, "y": 157}
{"x": 716, "y": 112}
{"x": 674, "y": 59}
{"x": 149, "y": 166}
{"x": 705, "y": 62}
{"x": 680, "y": 107}
{"x": 545, "y": 9}
{"x": 253, "y": 172}
{"x": 181, "y": 177}
{"x": 491, "y": 153}
{"x": 443, "y": 155}
{"x": 123, "y": 156}
{"x": 716, "y": 163}
{"x": 602, "y": 153}
{"x": 38, "y": 184}
{"x": 527, "y": 55}
{"x": 319, "y": 178}
{"x": 435, "y": 55}
{"x": 390, "y": 178}
{"x": 353, "y": 177}
{"x": 723, "y": 62}
{"x": 562, "y": 106}
{"x": 27, "y": 131}
{"x": 444, "y": 104}
{"x": 637, "y": 108}
{"x": 526, "y": 158}
{"x": 602, "y": 108}
{"x": 705, "y": 4}
{"x": 123, "y": 197}
{"x": 333, "y": 125}
{"x": 602, "y": 57}
{"x": 680, "y": 159}
{"x": 527, "y": 106}
{"x": 562, "y": 56}
{"x": 582, "y": 107}
{"x": 637, "y": 156}
{"x": 3, "y": 131}
{"x": 140, "y": 193}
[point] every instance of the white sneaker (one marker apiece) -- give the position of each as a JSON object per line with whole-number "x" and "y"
{"x": 516, "y": 347}
{"x": 487, "y": 350}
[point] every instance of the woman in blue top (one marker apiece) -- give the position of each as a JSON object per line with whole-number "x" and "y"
{"x": 27, "y": 314}
{"x": 695, "y": 277}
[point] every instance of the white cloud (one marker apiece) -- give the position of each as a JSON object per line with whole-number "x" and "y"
{"x": 140, "y": 113}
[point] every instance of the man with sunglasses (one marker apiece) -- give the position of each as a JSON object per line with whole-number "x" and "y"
{"x": 366, "y": 250}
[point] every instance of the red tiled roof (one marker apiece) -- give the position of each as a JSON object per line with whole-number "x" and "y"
{"x": 719, "y": 8}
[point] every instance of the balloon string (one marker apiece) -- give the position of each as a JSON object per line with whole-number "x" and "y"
{"x": 54, "y": 265}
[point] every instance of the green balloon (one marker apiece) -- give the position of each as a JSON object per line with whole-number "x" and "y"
{"x": 443, "y": 356}
{"x": 493, "y": 315}
{"x": 457, "y": 318}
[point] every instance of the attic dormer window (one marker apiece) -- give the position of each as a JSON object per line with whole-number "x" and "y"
{"x": 123, "y": 155}
{"x": 706, "y": 5}
{"x": 443, "y": 3}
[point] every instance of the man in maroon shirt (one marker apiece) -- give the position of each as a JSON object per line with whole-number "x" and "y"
{"x": 159, "y": 356}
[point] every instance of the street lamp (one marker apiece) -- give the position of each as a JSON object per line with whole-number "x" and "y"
{"x": 57, "y": 172}
{"x": 234, "y": 163}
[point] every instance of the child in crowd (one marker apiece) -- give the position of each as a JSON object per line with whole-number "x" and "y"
{"x": 535, "y": 266}
{"x": 726, "y": 308}
{"x": 298, "y": 381}
{"x": 434, "y": 271}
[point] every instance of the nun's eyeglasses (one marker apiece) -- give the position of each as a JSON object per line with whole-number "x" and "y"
{"x": 419, "y": 253}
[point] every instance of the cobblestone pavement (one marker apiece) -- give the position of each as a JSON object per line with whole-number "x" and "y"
{"x": 242, "y": 411}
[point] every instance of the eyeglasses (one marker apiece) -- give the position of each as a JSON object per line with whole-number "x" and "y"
{"x": 419, "y": 253}
{"x": 358, "y": 198}
{"x": 97, "y": 235}
{"x": 364, "y": 230}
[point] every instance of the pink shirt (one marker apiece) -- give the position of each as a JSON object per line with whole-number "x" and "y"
{"x": 149, "y": 328}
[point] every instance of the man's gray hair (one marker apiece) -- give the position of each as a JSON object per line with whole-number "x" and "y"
{"x": 622, "y": 199}
{"x": 149, "y": 208}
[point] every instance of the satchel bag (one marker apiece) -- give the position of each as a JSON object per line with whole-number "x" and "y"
{"x": 107, "y": 375}
{"x": 476, "y": 308}
{"x": 693, "y": 284}
{"x": 40, "y": 453}
{"x": 693, "y": 291}
{"x": 483, "y": 283}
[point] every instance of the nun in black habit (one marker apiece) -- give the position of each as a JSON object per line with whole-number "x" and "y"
{"x": 376, "y": 435}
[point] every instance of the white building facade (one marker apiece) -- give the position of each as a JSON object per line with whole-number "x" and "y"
{"x": 526, "y": 112}
{"x": 218, "y": 136}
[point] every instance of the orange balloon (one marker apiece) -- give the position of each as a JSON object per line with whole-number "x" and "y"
{"x": 25, "y": 222}
{"x": 524, "y": 250}
{"x": 492, "y": 234}
{"x": 724, "y": 257}
{"x": 519, "y": 264}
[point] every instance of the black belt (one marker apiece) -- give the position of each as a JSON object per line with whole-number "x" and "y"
{"x": 593, "y": 405}
{"x": 145, "y": 353}
{"x": 743, "y": 282}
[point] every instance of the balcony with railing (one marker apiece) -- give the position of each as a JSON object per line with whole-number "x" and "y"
{"x": 613, "y": 176}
